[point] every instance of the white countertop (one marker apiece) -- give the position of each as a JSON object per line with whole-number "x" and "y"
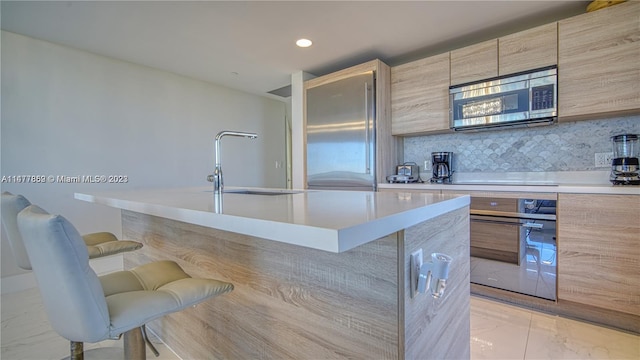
{"x": 334, "y": 221}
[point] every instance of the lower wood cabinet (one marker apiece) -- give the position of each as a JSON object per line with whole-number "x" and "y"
{"x": 599, "y": 251}
{"x": 598, "y": 254}
{"x": 495, "y": 240}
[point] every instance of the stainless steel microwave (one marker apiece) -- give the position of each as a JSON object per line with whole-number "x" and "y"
{"x": 525, "y": 99}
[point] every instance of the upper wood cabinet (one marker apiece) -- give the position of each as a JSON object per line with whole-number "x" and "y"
{"x": 522, "y": 51}
{"x": 599, "y": 62}
{"x": 475, "y": 62}
{"x": 598, "y": 252}
{"x": 529, "y": 49}
{"x": 420, "y": 96}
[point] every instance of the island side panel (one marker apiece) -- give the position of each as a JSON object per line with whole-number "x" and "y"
{"x": 289, "y": 302}
{"x": 447, "y": 318}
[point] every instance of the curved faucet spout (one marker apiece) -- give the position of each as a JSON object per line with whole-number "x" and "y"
{"x": 216, "y": 178}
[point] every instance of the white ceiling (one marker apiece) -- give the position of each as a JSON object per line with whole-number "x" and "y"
{"x": 249, "y": 45}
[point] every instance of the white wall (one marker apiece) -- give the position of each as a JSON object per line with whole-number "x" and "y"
{"x": 298, "y": 126}
{"x": 70, "y": 112}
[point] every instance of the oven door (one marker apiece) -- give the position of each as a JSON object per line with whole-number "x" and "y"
{"x": 515, "y": 254}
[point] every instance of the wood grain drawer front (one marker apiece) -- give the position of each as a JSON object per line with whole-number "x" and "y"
{"x": 494, "y": 204}
{"x": 598, "y": 66}
{"x": 599, "y": 251}
{"x": 495, "y": 241}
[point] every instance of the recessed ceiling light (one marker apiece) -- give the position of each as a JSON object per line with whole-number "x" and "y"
{"x": 304, "y": 43}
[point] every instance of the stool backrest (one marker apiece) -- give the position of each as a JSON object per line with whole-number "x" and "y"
{"x": 11, "y": 206}
{"x": 70, "y": 289}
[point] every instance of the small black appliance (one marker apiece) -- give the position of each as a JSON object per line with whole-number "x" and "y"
{"x": 624, "y": 166}
{"x": 441, "y": 167}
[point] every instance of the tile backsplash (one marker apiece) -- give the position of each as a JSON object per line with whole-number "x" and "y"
{"x": 560, "y": 147}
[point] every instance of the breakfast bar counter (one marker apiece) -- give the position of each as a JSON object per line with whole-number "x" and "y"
{"x": 317, "y": 274}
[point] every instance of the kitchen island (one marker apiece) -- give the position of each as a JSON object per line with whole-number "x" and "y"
{"x": 317, "y": 274}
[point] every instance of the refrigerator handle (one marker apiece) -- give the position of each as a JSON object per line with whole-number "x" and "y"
{"x": 367, "y": 125}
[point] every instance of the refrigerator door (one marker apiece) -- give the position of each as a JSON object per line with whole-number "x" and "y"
{"x": 341, "y": 134}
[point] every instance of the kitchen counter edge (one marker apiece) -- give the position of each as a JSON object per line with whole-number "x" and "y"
{"x": 306, "y": 234}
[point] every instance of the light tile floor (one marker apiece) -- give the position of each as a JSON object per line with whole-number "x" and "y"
{"x": 27, "y": 335}
{"x": 498, "y": 331}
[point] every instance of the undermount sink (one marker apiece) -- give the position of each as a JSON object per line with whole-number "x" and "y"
{"x": 258, "y": 192}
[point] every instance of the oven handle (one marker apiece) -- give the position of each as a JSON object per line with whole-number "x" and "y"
{"x": 512, "y": 215}
{"x": 507, "y": 221}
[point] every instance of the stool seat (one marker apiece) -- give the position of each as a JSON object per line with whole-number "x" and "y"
{"x": 105, "y": 243}
{"x": 152, "y": 290}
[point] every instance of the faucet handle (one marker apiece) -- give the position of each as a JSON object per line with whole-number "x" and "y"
{"x": 210, "y": 178}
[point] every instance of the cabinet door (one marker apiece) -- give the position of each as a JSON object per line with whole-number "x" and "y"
{"x": 529, "y": 49}
{"x": 475, "y": 62}
{"x": 599, "y": 251}
{"x": 494, "y": 204}
{"x": 499, "y": 242}
{"x": 599, "y": 62}
{"x": 420, "y": 96}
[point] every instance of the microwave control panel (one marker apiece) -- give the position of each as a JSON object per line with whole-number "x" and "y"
{"x": 542, "y": 97}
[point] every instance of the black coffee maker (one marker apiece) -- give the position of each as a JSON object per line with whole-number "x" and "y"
{"x": 441, "y": 167}
{"x": 625, "y": 167}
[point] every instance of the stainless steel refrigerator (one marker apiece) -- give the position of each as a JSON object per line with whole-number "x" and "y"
{"x": 341, "y": 139}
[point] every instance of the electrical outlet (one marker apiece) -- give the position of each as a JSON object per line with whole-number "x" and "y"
{"x": 415, "y": 262}
{"x": 427, "y": 165}
{"x": 603, "y": 159}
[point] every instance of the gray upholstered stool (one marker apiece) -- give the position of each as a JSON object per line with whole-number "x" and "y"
{"x": 98, "y": 244}
{"x": 82, "y": 307}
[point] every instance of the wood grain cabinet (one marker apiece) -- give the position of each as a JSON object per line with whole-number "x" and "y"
{"x": 420, "y": 89}
{"x": 521, "y": 51}
{"x": 420, "y": 96}
{"x": 599, "y": 251}
{"x": 495, "y": 240}
{"x": 529, "y": 49}
{"x": 475, "y": 62}
{"x": 599, "y": 62}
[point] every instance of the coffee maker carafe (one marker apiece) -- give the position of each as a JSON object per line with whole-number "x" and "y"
{"x": 441, "y": 167}
{"x": 624, "y": 166}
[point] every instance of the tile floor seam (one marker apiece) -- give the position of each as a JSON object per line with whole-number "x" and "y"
{"x": 526, "y": 344}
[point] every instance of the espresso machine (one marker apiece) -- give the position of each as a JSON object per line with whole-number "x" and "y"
{"x": 441, "y": 167}
{"x": 624, "y": 166}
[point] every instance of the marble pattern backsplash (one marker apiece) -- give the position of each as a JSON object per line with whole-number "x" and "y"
{"x": 559, "y": 147}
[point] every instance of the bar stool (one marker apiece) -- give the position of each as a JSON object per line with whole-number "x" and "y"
{"x": 98, "y": 244}
{"x": 82, "y": 307}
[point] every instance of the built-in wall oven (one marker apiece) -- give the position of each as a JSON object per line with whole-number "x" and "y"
{"x": 513, "y": 245}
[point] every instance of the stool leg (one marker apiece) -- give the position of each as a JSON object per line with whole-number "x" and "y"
{"x": 146, "y": 339}
{"x": 134, "y": 347}
{"x": 77, "y": 351}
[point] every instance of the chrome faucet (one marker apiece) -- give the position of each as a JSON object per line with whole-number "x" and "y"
{"x": 216, "y": 178}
